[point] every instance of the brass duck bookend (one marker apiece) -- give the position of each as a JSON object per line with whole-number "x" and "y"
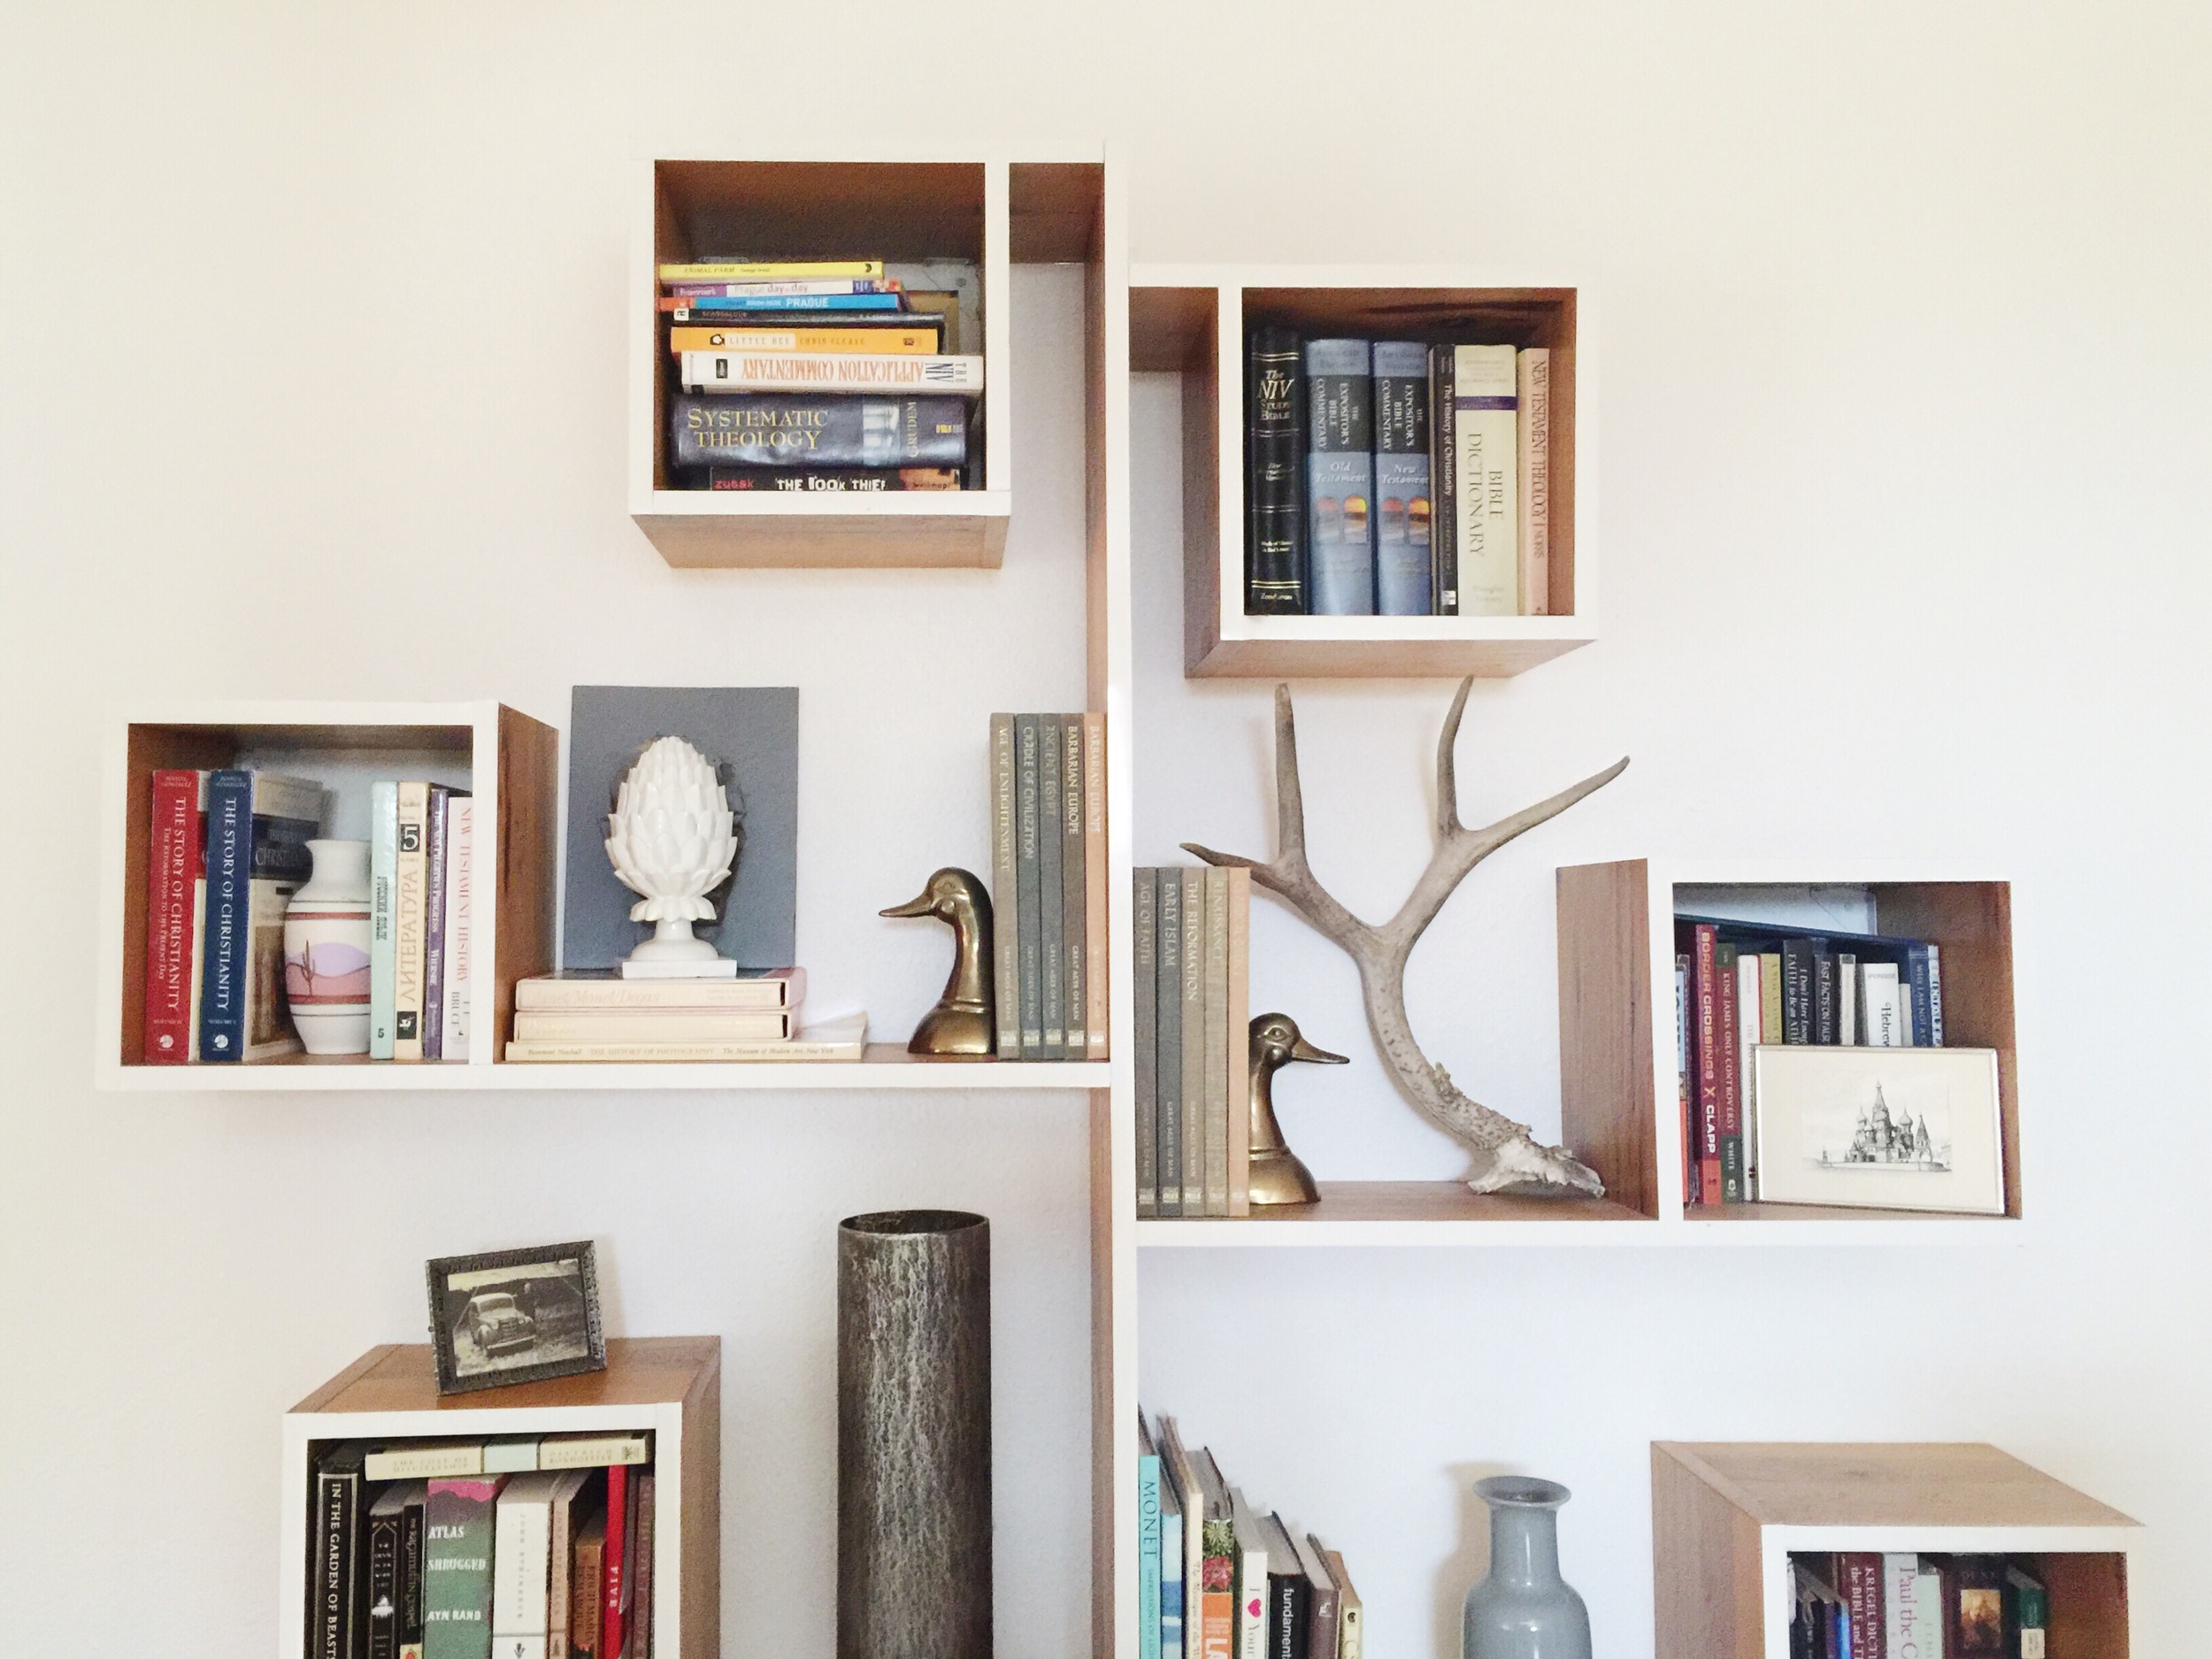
{"x": 1277, "y": 1175}
{"x": 961, "y": 1024}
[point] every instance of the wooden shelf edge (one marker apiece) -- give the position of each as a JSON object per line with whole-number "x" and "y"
{"x": 1382, "y": 658}
{"x": 925, "y": 532}
{"x": 888, "y": 1067}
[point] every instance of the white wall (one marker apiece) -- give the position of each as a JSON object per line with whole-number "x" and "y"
{"x": 1905, "y": 338}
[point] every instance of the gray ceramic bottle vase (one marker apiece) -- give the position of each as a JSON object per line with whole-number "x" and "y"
{"x": 1523, "y": 1609}
{"x": 914, "y": 1436}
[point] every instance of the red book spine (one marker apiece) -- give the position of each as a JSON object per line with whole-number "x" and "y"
{"x": 176, "y": 852}
{"x": 1861, "y": 1592}
{"x": 1707, "y": 1039}
{"x": 617, "y": 1564}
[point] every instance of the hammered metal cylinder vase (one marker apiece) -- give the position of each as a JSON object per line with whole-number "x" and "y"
{"x": 914, "y": 1436}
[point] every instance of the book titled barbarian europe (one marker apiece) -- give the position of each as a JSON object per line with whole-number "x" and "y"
{"x": 258, "y": 826}
{"x": 1404, "y": 572}
{"x": 799, "y": 429}
{"x": 1274, "y": 477}
{"x": 1340, "y": 478}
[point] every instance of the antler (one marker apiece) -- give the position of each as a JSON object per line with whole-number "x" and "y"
{"x": 1506, "y": 1157}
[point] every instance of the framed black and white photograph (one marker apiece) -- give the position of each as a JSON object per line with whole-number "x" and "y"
{"x": 1880, "y": 1128}
{"x": 515, "y": 1315}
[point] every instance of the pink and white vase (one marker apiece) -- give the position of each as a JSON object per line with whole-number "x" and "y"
{"x": 326, "y": 950}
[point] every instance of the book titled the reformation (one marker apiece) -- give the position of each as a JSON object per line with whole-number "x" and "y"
{"x": 1404, "y": 572}
{"x": 1005, "y": 893}
{"x": 822, "y": 429}
{"x": 1340, "y": 478}
{"x": 457, "y": 1568}
{"x": 1274, "y": 475}
{"x": 834, "y": 481}
{"x": 337, "y": 1613}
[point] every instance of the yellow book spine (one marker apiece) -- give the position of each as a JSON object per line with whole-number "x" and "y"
{"x": 771, "y": 273}
{"x": 890, "y": 341}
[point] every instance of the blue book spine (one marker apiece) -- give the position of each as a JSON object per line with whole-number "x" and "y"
{"x": 1924, "y": 1032}
{"x": 383, "y": 918}
{"x": 1171, "y": 1586}
{"x": 1148, "y": 1556}
{"x": 794, "y": 303}
{"x": 1404, "y": 570}
{"x": 1340, "y": 476}
{"x": 227, "y": 928}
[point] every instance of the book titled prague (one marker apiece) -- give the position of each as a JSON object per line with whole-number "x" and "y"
{"x": 1486, "y": 429}
{"x": 1274, "y": 482}
{"x": 741, "y": 371}
{"x": 1404, "y": 574}
{"x": 1340, "y": 476}
{"x": 787, "y": 429}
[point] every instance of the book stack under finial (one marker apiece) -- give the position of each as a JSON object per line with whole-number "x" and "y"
{"x": 604, "y": 1016}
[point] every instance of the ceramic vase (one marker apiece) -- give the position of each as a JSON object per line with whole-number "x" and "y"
{"x": 326, "y": 950}
{"x": 1523, "y": 1609}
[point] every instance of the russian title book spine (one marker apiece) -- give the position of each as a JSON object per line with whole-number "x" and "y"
{"x": 1074, "y": 884}
{"x": 1405, "y": 571}
{"x": 176, "y": 872}
{"x": 614, "y": 1591}
{"x": 1918, "y": 987}
{"x": 1535, "y": 481}
{"x": 1824, "y": 1021}
{"x": 1168, "y": 991}
{"x": 1340, "y": 478}
{"x": 1444, "y": 476}
{"x": 434, "y": 851}
{"x": 1005, "y": 893}
{"x": 1144, "y": 986}
{"x": 1029, "y": 929}
{"x": 1485, "y": 427}
{"x": 1095, "y": 984}
{"x": 1051, "y": 897}
{"x": 409, "y": 944}
{"x": 819, "y": 429}
{"x": 1275, "y": 459}
{"x": 1196, "y": 1132}
{"x": 1798, "y": 1013}
{"x": 383, "y": 917}
{"x": 460, "y": 925}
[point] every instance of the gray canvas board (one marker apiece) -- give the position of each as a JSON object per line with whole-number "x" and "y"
{"x": 751, "y": 735}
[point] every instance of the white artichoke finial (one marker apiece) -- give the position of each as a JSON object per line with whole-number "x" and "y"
{"x": 671, "y": 839}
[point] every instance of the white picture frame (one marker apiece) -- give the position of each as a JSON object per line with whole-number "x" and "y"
{"x": 1880, "y": 1128}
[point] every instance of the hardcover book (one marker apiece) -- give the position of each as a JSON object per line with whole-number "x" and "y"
{"x": 1170, "y": 1564}
{"x": 1094, "y": 874}
{"x": 1190, "y": 1499}
{"x": 689, "y": 307}
{"x": 768, "y": 270}
{"x": 1486, "y": 429}
{"x": 460, "y": 923}
{"x": 1216, "y": 994}
{"x": 1147, "y": 1544}
{"x": 752, "y": 989}
{"x": 911, "y": 337}
{"x": 614, "y": 1599}
{"x": 1005, "y": 893}
{"x": 1274, "y": 475}
{"x": 817, "y": 429}
{"x": 1051, "y": 889}
{"x": 386, "y": 1518}
{"x": 176, "y": 881}
{"x": 1535, "y": 432}
{"x": 1168, "y": 995}
{"x": 1238, "y": 1033}
{"x": 1252, "y": 1602}
{"x": 833, "y": 480}
{"x": 437, "y": 850}
{"x": 1322, "y": 1605}
{"x": 642, "y": 1567}
{"x": 652, "y": 1025}
{"x": 1074, "y": 890}
{"x": 587, "y": 1586}
{"x": 1029, "y": 925}
{"x": 522, "y": 1566}
{"x": 1728, "y": 1052}
{"x": 383, "y": 919}
{"x": 1351, "y": 1621}
{"x": 1404, "y": 570}
{"x": 1443, "y": 481}
{"x": 410, "y": 945}
{"x": 1199, "y": 1130}
{"x": 336, "y": 1565}
{"x": 258, "y": 825}
{"x": 1705, "y": 969}
{"x": 1144, "y": 979}
{"x": 766, "y": 288}
{"x": 750, "y": 735}
{"x": 457, "y": 1568}
{"x": 746, "y": 371}
{"x": 1289, "y": 1594}
{"x": 1339, "y": 479}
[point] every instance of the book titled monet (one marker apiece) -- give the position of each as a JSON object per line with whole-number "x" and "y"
{"x": 792, "y": 429}
{"x": 1340, "y": 476}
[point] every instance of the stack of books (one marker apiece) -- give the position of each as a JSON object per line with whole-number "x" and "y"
{"x": 521, "y": 1546}
{"x": 1394, "y": 478}
{"x": 1738, "y": 985}
{"x": 1048, "y": 886}
{"x": 1220, "y": 1579}
{"x": 1192, "y": 980}
{"x": 1867, "y": 1606}
{"x": 822, "y": 375}
{"x": 224, "y": 853}
{"x": 601, "y": 1015}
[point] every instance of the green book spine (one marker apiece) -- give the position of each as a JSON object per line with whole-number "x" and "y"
{"x": 1051, "y": 946}
{"x": 1027, "y": 935}
{"x": 1167, "y": 987}
{"x": 456, "y": 1602}
{"x": 1193, "y": 969}
{"x": 1145, "y": 951}
{"x": 1005, "y": 889}
{"x": 1073, "y": 894}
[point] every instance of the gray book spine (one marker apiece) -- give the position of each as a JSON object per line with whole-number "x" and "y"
{"x": 1193, "y": 969}
{"x": 1168, "y": 987}
{"x": 1143, "y": 976}
{"x": 1026, "y": 932}
{"x": 1073, "y": 896}
{"x": 1216, "y": 1055}
{"x": 1005, "y": 894}
{"x": 1051, "y": 948}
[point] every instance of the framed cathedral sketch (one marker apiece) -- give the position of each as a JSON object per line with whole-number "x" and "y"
{"x": 1880, "y": 1128}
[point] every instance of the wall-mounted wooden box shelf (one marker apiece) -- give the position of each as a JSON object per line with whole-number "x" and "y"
{"x": 1616, "y": 1036}
{"x": 671, "y": 1386}
{"x": 508, "y": 761}
{"x": 996, "y": 212}
{"x": 1726, "y": 1519}
{"x": 1191, "y": 320}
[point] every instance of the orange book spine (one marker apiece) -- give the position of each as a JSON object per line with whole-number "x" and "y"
{"x": 905, "y": 342}
{"x": 1215, "y": 1632}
